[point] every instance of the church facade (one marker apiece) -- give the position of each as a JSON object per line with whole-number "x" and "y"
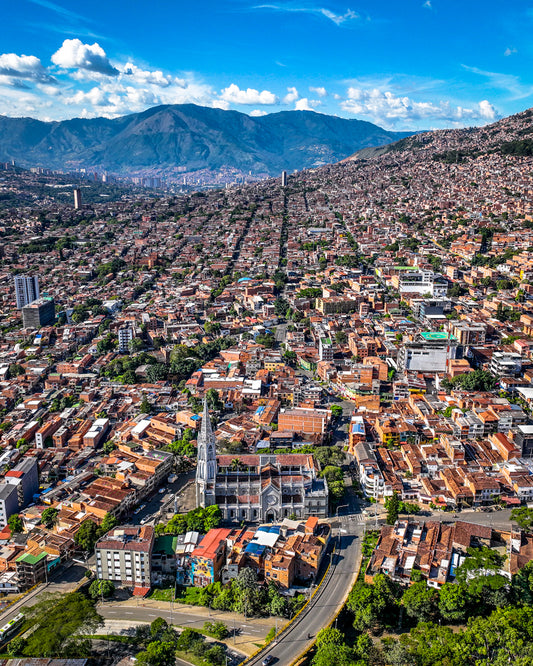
{"x": 258, "y": 488}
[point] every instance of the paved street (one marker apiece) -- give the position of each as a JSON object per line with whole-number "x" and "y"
{"x": 330, "y": 596}
{"x": 63, "y": 580}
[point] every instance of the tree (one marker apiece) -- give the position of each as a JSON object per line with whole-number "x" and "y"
{"x": 58, "y": 622}
{"x": 157, "y": 654}
{"x": 216, "y": 629}
{"x": 15, "y": 523}
{"x": 420, "y": 601}
{"x": 87, "y": 536}
{"x": 329, "y": 636}
{"x": 453, "y": 602}
{"x": 145, "y": 407}
{"x": 108, "y": 447}
{"x": 336, "y": 411}
{"x": 49, "y": 517}
{"x": 213, "y": 400}
{"x": 108, "y": 523}
{"x": 157, "y": 372}
{"x": 523, "y": 517}
{"x": 393, "y": 509}
{"x": 101, "y": 588}
{"x": 374, "y": 606}
{"x": 16, "y": 646}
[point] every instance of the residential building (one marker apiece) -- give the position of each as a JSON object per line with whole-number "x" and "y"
{"x": 26, "y": 289}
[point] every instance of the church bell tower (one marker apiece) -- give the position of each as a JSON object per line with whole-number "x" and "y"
{"x": 206, "y": 469}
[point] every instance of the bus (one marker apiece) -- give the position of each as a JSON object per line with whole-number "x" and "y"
{"x": 8, "y": 629}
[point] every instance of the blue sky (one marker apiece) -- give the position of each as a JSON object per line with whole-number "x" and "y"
{"x": 403, "y": 64}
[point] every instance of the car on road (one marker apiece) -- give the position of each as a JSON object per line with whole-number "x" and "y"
{"x": 161, "y": 490}
{"x": 269, "y": 659}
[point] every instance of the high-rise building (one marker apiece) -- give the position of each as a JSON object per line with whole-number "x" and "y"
{"x": 125, "y": 336}
{"x": 283, "y": 179}
{"x": 26, "y": 289}
{"x": 41, "y": 312}
{"x": 77, "y": 198}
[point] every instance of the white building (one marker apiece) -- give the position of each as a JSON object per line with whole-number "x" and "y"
{"x": 26, "y": 289}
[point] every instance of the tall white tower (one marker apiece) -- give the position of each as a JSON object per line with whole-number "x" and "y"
{"x": 26, "y": 289}
{"x": 206, "y": 469}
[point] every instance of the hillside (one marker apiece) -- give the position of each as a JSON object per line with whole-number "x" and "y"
{"x": 190, "y": 136}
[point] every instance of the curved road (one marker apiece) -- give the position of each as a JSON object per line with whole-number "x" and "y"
{"x": 330, "y": 595}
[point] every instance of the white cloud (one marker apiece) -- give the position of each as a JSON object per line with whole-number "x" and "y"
{"x": 303, "y": 105}
{"x": 291, "y": 96}
{"x": 234, "y": 95}
{"x": 74, "y": 54}
{"x": 427, "y": 4}
{"x": 257, "y": 113}
{"x": 509, "y": 51}
{"x": 387, "y": 109}
{"x": 338, "y": 19}
{"x": 145, "y": 76}
{"x": 320, "y": 91}
{"x": 23, "y": 67}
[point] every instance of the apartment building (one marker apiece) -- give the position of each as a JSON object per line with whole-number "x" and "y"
{"x": 124, "y": 555}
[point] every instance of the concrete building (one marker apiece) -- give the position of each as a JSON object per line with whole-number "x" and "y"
{"x": 125, "y": 336}
{"x": 305, "y": 421}
{"x": 124, "y": 555}
{"x": 77, "y": 198}
{"x": 31, "y": 569}
{"x": 505, "y": 363}
{"x": 8, "y": 502}
{"x": 40, "y": 312}
{"x": 26, "y": 289}
{"x": 283, "y": 179}
{"x": 25, "y": 478}
{"x": 428, "y": 352}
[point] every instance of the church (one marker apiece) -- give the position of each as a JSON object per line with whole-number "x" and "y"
{"x": 258, "y": 488}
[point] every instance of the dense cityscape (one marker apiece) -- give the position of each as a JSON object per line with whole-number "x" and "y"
{"x": 282, "y": 421}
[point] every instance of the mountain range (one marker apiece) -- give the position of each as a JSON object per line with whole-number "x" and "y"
{"x": 165, "y": 138}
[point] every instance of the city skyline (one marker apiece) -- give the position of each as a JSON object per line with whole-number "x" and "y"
{"x": 421, "y": 65}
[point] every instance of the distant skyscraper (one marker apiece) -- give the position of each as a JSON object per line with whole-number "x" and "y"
{"x": 283, "y": 179}
{"x": 26, "y": 289}
{"x": 77, "y": 198}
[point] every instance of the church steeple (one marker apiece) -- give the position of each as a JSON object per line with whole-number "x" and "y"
{"x": 206, "y": 469}
{"x": 206, "y": 432}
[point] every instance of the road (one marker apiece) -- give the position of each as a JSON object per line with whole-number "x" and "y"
{"x": 63, "y": 580}
{"x": 159, "y": 503}
{"x": 330, "y": 595}
{"x": 130, "y": 615}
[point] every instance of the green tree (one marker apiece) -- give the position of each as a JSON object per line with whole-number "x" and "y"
{"x": 453, "y": 602}
{"x": 216, "y": 629}
{"x": 393, "y": 509}
{"x": 15, "y": 523}
{"x": 145, "y": 407}
{"x": 329, "y": 636}
{"x": 420, "y": 602}
{"x": 108, "y": 447}
{"x": 101, "y": 588}
{"x": 58, "y": 622}
{"x": 108, "y": 523}
{"x": 49, "y": 517}
{"x": 523, "y": 517}
{"x": 157, "y": 653}
{"x": 86, "y": 536}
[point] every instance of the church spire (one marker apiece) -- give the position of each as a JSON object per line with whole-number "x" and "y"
{"x": 206, "y": 468}
{"x": 206, "y": 431}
